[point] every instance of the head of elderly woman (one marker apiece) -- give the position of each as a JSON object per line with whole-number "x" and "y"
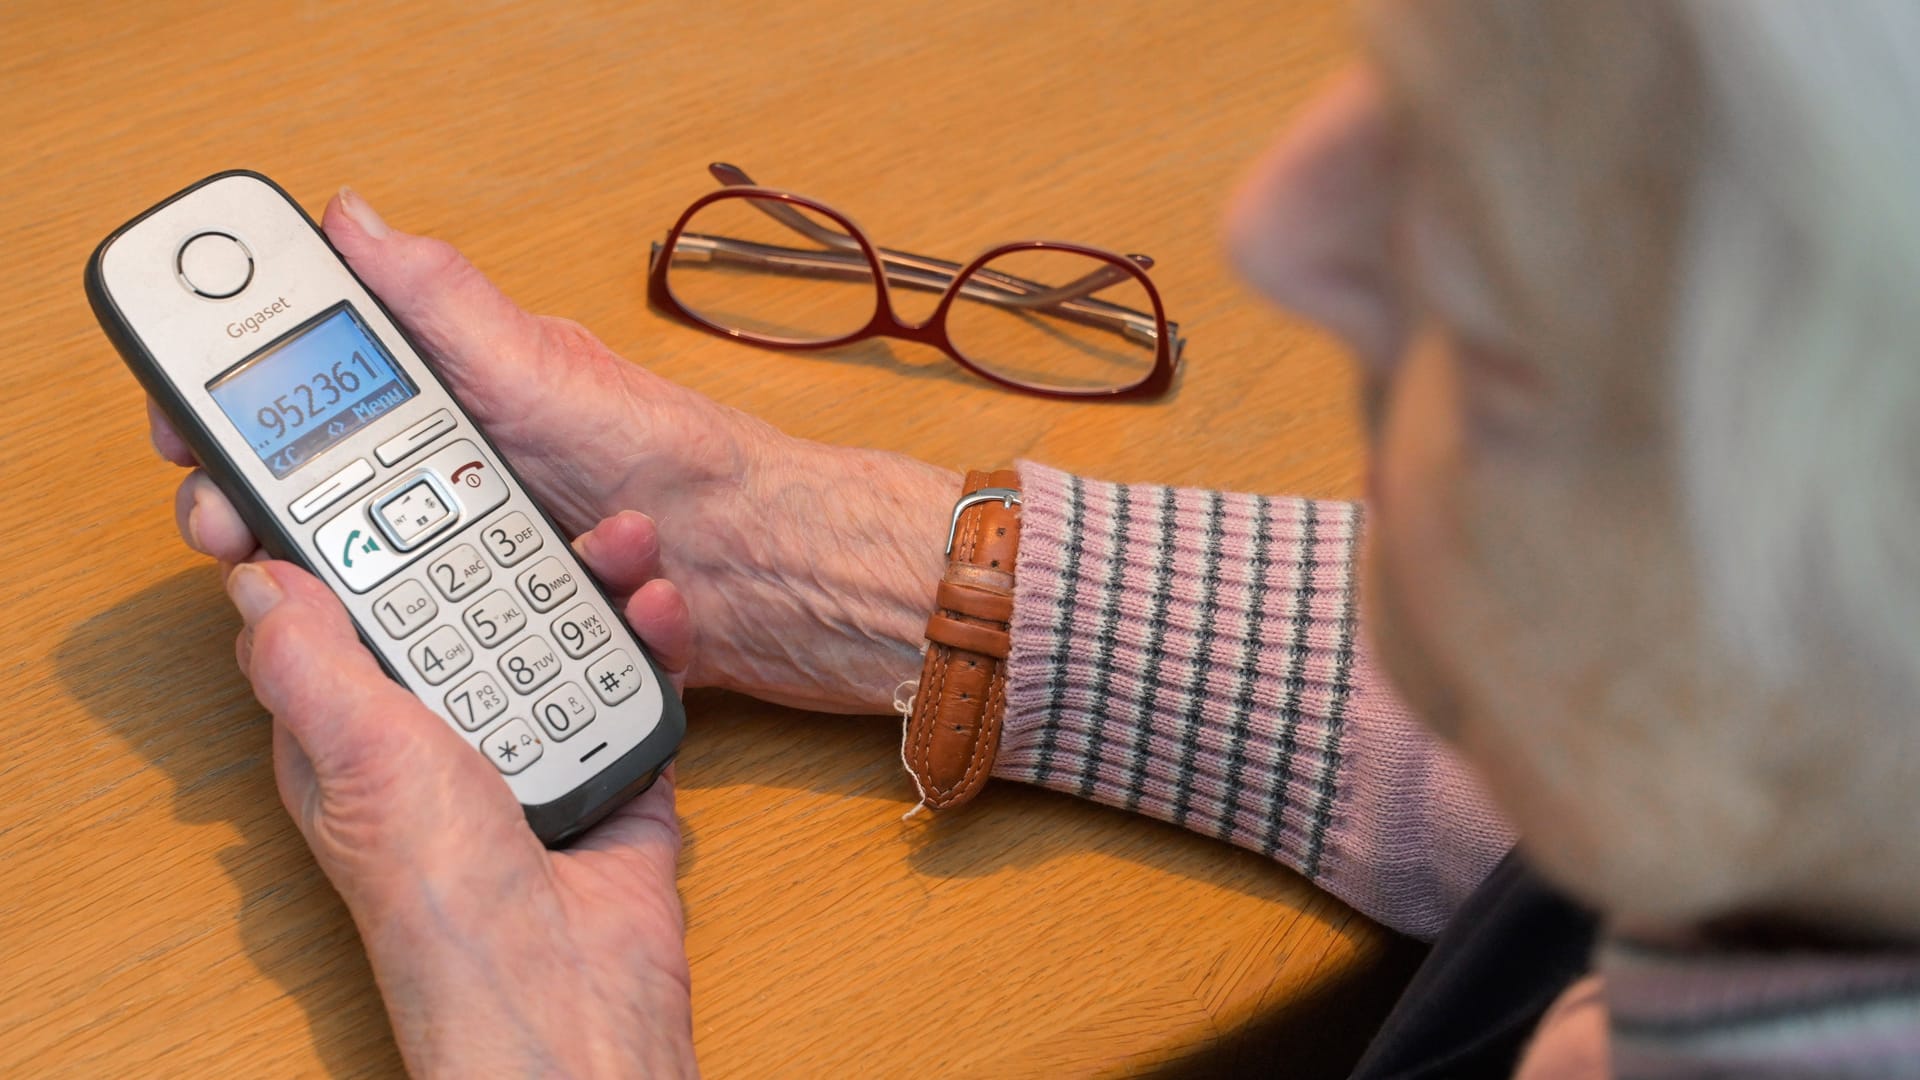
{"x": 1631, "y": 290}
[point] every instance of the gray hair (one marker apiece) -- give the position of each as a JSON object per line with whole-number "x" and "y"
{"x": 1797, "y": 334}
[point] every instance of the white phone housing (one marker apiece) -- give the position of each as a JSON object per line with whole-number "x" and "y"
{"x": 454, "y": 576}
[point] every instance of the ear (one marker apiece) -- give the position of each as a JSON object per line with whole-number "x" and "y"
{"x": 1311, "y": 225}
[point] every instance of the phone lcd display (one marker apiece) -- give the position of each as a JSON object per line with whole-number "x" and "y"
{"x": 310, "y": 389}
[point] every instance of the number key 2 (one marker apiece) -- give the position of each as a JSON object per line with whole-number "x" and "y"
{"x": 459, "y": 572}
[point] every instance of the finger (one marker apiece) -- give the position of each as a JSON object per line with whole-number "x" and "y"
{"x": 448, "y": 306}
{"x": 659, "y": 614}
{"x": 165, "y": 438}
{"x": 209, "y": 523}
{"x": 394, "y": 782}
{"x": 623, "y": 551}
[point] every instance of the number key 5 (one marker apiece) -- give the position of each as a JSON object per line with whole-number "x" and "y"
{"x": 495, "y": 617}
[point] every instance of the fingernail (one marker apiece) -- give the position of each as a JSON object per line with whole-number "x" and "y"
{"x": 193, "y": 524}
{"x": 363, "y": 214}
{"x": 253, "y": 591}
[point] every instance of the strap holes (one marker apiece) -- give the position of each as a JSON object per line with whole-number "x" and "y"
{"x": 1002, "y": 531}
{"x": 995, "y": 562}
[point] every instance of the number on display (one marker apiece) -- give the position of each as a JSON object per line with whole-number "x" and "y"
{"x": 286, "y": 413}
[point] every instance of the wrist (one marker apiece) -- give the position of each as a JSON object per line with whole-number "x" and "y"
{"x": 467, "y": 1000}
{"x": 812, "y": 576}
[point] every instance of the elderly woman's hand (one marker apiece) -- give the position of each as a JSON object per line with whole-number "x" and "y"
{"x": 495, "y": 956}
{"x": 812, "y": 568}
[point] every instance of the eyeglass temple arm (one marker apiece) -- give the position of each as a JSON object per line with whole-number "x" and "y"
{"x": 1038, "y": 297}
{"x": 735, "y": 176}
{"x": 933, "y": 275}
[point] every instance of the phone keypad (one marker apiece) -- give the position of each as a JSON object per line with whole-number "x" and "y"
{"x": 525, "y": 667}
{"x": 530, "y": 664}
{"x": 460, "y": 572}
{"x": 441, "y": 655}
{"x": 548, "y": 584}
{"x": 405, "y": 608}
{"x": 495, "y": 617}
{"x": 511, "y": 539}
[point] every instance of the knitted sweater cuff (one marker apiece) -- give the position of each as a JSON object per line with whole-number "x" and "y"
{"x": 1195, "y": 656}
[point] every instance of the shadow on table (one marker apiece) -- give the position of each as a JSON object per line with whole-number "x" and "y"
{"x": 157, "y": 672}
{"x": 1321, "y": 1033}
{"x": 1318, "y": 1031}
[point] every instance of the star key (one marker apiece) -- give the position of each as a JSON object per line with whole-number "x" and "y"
{"x": 513, "y": 746}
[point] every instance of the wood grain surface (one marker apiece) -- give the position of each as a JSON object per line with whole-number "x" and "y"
{"x": 159, "y": 915}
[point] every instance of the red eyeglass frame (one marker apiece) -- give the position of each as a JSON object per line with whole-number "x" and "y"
{"x": 885, "y": 323}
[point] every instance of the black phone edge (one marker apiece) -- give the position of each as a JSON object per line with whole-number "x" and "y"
{"x": 553, "y": 822}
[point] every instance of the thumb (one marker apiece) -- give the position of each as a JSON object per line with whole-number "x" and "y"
{"x": 478, "y": 338}
{"x": 378, "y": 784}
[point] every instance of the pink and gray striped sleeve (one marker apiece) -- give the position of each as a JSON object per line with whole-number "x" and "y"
{"x": 1195, "y": 656}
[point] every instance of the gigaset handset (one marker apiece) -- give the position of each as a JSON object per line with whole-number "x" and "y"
{"x": 345, "y": 454}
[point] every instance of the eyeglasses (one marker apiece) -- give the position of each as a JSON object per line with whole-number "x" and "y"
{"x": 780, "y": 270}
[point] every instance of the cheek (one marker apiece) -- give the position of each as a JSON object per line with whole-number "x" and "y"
{"x": 1415, "y": 564}
{"x": 1534, "y": 612}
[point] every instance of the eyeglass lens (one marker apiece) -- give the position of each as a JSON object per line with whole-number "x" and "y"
{"x": 793, "y": 275}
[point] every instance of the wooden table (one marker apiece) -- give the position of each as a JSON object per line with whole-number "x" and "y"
{"x": 158, "y": 915}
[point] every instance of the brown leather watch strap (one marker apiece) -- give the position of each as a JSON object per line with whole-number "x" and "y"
{"x": 953, "y": 730}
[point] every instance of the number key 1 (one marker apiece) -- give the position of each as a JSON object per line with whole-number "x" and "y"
{"x": 404, "y": 609}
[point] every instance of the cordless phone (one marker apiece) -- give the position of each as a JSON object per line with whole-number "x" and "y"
{"x": 345, "y": 454}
